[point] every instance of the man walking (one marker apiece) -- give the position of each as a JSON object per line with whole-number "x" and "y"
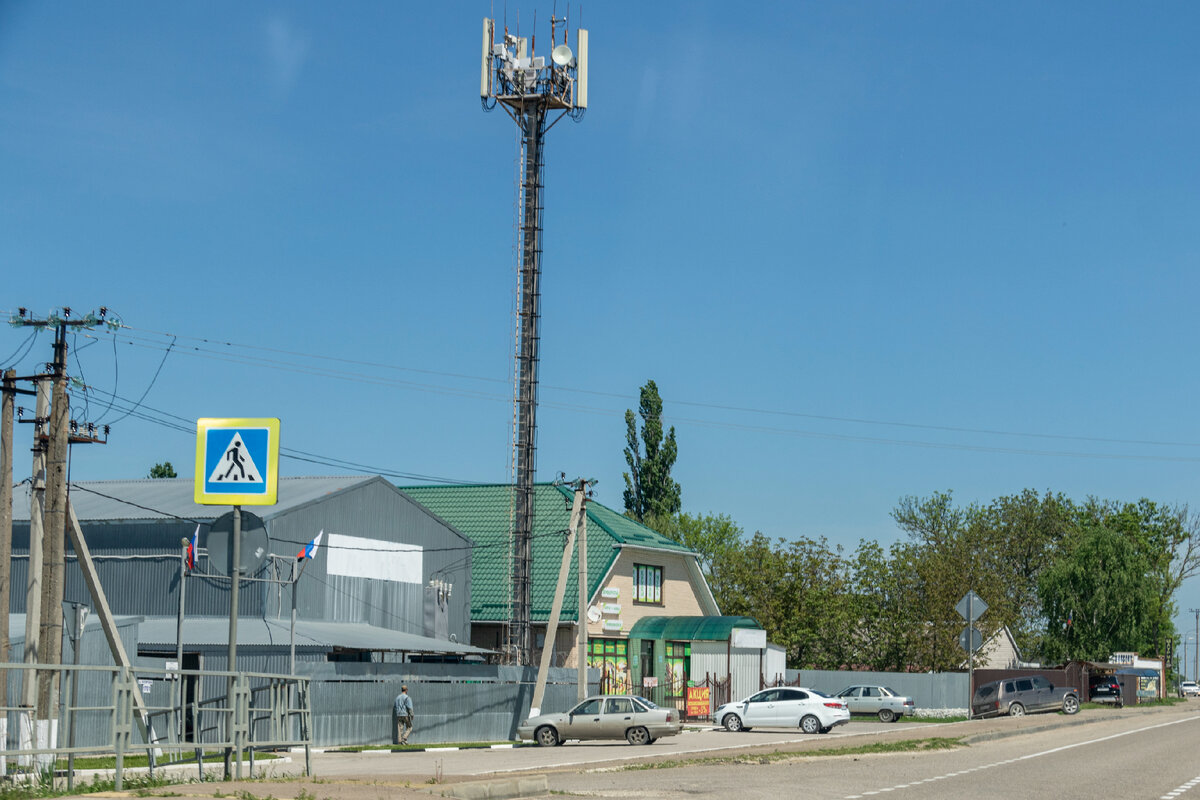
{"x": 402, "y": 709}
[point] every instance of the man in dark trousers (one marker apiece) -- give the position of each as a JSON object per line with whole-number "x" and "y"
{"x": 402, "y": 710}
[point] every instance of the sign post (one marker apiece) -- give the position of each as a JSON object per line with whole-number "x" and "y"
{"x": 237, "y": 463}
{"x": 970, "y": 608}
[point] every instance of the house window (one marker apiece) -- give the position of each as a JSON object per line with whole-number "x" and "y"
{"x": 647, "y": 584}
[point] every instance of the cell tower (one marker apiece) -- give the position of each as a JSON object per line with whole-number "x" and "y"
{"x": 529, "y": 89}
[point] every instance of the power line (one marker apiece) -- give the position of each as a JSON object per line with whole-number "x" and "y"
{"x": 470, "y": 548}
{"x": 675, "y": 401}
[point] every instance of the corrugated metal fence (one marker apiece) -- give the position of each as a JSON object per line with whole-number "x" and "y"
{"x": 352, "y": 702}
{"x": 946, "y": 692}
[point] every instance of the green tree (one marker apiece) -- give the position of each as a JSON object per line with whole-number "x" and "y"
{"x": 163, "y": 470}
{"x": 1096, "y": 597}
{"x": 710, "y": 536}
{"x": 886, "y": 624}
{"x": 1018, "y": 536}
{"x": 1166, "y": 537}
{"x": 651, "y": 496}
{"x": 798, "y": 592}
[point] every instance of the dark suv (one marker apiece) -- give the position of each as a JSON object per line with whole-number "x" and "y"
{"x": 1105, "y": 689}
{"x": 1018, "y": 696}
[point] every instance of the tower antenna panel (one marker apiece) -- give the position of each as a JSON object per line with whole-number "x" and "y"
{"x": 485, "y": 74}
{"x": 581, "y": 74}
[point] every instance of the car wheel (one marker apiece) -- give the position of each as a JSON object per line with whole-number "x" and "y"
{"x": 732, "y": 722}
{"x": 810, "y": 724}
{"x": 1016, "y": 710}
{"x": 638, "y": 735}
{"x": 1120, "y": 703}
{"x": 887, "y": 715}
{"x": 546, "y": 736}
{"x": 1070, "y": 704}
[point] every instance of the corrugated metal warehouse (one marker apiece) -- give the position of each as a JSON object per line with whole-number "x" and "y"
{"x": 389, "y": 578}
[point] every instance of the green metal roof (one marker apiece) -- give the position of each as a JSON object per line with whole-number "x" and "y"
{"x": 482, "y": 514}
{"x": 689, "y": 629}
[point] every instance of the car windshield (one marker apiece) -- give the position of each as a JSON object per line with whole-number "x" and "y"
{"x": 646, "y": 702}
{"x": 890, "y": 692}
{"x": 818, "y": 693}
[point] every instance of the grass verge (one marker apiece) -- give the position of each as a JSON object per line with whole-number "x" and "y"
{"x": 905, "y": 746}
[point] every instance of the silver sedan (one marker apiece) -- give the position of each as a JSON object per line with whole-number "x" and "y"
{"x": 634, "y": 719}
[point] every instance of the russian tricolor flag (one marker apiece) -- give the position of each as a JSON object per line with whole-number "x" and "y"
{"x": 193, "y": 545}
{"x": 310, "y": 549}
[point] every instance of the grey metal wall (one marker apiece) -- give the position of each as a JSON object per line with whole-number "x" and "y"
{"x": 378, "y": 510}
{"x": 138, "y": 564}
{"x": 929, "y": 690}
{"x": 352, "y": 703}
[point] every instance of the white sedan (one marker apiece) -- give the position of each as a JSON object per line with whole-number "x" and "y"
{"x": 785, "y": 706}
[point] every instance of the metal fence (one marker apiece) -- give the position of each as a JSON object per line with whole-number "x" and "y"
{"x": 935, "y": 693}
{"x": 179, "y": 714}
{"x": 352, "y": 702}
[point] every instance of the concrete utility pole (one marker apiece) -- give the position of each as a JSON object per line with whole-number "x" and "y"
{"x": 54, "y": 528}
{"x": 584, "y": 597}
{"x": 33, "y": 583}
{"x": 1196, "y": 656}
{"x": 6, "y": 511}
{"x": 48, "y": 512}
{"x": 564, "y": 569}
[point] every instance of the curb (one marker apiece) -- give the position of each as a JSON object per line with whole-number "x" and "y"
{"x": 433, "y": 748}
{"x": 526, "y": 786}
{"x": 1004, "y": 734}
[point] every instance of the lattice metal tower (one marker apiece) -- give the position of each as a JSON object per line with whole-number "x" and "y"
{"x": 529, "y": 88}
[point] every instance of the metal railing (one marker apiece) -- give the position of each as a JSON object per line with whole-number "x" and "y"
{"x": 178, "y": 713}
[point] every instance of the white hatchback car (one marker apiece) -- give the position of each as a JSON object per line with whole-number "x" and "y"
{"x": 784, "y": 707}
{"x": 1189, "y": 689}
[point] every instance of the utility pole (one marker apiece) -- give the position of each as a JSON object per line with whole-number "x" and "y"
{"x": 6, "y": 509}
{"x": 54, "y": 526}
{"x": 581, "y": 643}
{"x": 1196, "y": 655}
{"x": 529, "y": 89}
{"x": 10, "y": 392}
{"x": 33, "y": 582}
{"x": 48, "y": 511}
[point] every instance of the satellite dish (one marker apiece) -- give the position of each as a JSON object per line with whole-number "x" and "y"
{"x": 255, "y": 544}
{"x": 593, "y": 613}
{"x": 562, "y": 56}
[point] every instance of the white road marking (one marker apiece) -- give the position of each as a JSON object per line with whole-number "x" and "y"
{"x": 1169, "y": 796}
{"x": 1181, "y": 789}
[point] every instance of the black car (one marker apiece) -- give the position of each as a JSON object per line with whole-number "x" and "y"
{"x": 1105, "y": 689}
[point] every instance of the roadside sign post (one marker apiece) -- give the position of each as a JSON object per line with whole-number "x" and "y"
{"x": 237, "y": 463}
{"x": 970, "y": 608}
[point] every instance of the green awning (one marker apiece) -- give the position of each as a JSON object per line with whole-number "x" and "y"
{"x": 690, "y": 629}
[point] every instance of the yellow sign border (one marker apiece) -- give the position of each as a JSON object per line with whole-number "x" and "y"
{"x": 271, "y": 469}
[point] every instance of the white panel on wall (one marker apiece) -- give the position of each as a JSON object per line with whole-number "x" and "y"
{"x": 356, "y": 557}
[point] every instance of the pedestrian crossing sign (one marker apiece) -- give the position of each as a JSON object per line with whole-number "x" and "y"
{"x": 237, "y": 462}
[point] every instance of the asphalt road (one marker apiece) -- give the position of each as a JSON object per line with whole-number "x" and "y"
{"x": 1098, "y": 753}
{"x": 1144, "y": 755}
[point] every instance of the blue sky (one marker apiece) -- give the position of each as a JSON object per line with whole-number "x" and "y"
{"x": 866, "y": 250}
